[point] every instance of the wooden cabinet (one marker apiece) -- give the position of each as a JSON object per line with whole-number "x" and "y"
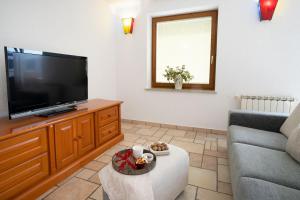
{"x": 73, "y": 138}
{"x": 86, "y": 134}
{"x": 23, "y": 162}
{"x": 65, "y": 143}
{"x": 36, "y": 153}
{"x": 108, "y": 125}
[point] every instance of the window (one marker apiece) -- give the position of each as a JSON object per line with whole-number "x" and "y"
{"x": 185, "y": 39}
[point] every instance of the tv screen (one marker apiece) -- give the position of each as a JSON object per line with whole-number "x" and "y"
{"x": 37, "y": 80}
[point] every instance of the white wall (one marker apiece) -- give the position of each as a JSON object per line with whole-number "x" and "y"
{"x": 78, "y": 27}
{"x": 253, "y": 57}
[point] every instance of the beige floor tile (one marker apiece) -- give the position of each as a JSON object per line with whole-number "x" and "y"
{"x": 183, "y": 139}
{"x": 213, "y": 146}
{"x": 86, "y": 174}
{"x": 190, "y": 147}
{"x": 141, "y": 141}
{"x": 211, "y": 137}
{"x": 72, "y": 190}
{"x": 209, "y": 162}
{"x": 95, "y": 165}
{"x": 146, "y": 131}
{"x": 69, "y": 178}
{"x": 47, "y": 193}
{"x": 130, "y": 131}
{"x": 119, "y": 147}
{"x": 126, "y": 143}
{"x": 199, "y": 141}
{"x": 222, "y": 136}
{"x": 224, "y": 188}
{"x": 195, "y": 159}
{"x": 175, "y": 132}
{"x": 189, "y": 193}
{"x": 127, "y": 126}
{"x": 160, "y": 132}
{"x": 207, "y": 145}
{"x": 216, "y": 153}
{"x": 222, "y": 161}
{"x": 203, "y": 194}
{"x": 139, "y": 144}
{"x": 95, "y": 179}
{"x": 151, "y": 139}
{"x": 222, "y": 145}
{"x": 112, "y": 151}
{"x": 190, "y": 134}
{"x": 131, "y": 137}
{"x": 223, "y": 174}
{"x": 203, "y": 178}
{"x": 166, "y": 138}
{"x": 98, "y": 194}
{"x": 104, "y": 159}
{"x": 200, "y": 135}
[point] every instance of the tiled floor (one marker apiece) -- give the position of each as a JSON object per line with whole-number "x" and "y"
{"x": 209, "y": 177}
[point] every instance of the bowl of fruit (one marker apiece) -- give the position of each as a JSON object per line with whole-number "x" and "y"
{"x": 159, "y": 148}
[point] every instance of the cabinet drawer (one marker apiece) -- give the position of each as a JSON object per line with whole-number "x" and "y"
{"x": 19, "y": 149}
{"x": 108, "y": 115}
{"x": 108, "y": 132}
{"x": 18, "y": 178}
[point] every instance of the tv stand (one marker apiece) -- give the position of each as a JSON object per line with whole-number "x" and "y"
{"x": 57, "y": 111}
{"x": 37, "y": 153}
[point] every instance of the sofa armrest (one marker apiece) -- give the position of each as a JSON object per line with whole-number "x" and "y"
{"x": 258, "y": 120}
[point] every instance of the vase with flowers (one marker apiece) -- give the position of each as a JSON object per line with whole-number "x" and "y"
{"x": 177, "y": 75}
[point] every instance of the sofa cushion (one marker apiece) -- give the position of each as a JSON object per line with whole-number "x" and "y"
{"x": 257, "y": 137}
{"x": 266, "y": 164}
{"x": 257, "y": 189}
{"x": 293, "y": 144}
{"x": 291, "y": 122}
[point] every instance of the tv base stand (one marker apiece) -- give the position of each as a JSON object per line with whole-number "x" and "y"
{"x": 57, "y": 111}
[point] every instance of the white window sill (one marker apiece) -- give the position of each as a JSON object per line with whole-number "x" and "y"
{"x": 180, "y": 91}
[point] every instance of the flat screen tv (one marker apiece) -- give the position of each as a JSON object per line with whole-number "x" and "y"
{"x": 40, "y": 82}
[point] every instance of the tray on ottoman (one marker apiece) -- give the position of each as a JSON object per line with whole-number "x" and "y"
{"x": 124, "y": 163}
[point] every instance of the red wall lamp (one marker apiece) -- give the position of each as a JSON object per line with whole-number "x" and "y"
{"x": 266, "y": 9}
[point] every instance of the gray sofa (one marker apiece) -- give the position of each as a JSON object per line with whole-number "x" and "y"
{"x": 260, "y": 167}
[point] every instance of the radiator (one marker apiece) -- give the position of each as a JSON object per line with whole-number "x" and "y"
{"x": 268, "y": 103}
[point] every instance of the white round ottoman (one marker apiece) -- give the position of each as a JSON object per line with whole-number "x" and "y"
{"x": 165, "y": 182}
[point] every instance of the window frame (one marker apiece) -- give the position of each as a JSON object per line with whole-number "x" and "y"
{"x": 213, "y": 52}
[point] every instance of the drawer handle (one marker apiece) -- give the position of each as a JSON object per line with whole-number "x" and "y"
{"x": 79, "y": 137}
{"x": 108, "y": 115}
{"x": 109, "y": 131}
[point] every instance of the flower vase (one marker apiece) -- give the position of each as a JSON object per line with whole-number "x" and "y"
{"x": 178, "y": 81}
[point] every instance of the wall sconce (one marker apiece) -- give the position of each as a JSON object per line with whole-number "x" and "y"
{"x": 266, "y": 9}
{"x": 128, "y": 25}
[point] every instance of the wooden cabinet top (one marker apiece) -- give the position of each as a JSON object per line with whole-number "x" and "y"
{"x": 9, "y": 128}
